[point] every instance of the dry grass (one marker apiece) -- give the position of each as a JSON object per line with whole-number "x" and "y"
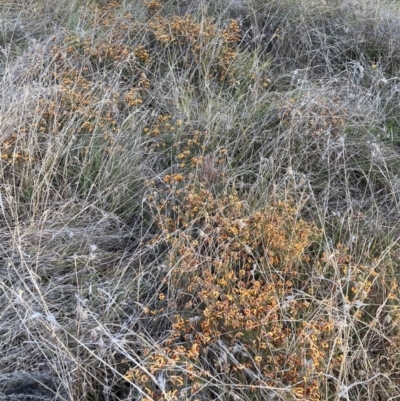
{"x": 201, "y": 202}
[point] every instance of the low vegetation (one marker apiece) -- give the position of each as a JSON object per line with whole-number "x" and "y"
{"x": 200, "y": 200}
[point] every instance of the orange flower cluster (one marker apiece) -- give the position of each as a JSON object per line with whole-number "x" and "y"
{"x": 233, "y": 282}
{"x": 190, "y": 40}
{"x": 245, "y": 291}
{"x": 78, "y": 60}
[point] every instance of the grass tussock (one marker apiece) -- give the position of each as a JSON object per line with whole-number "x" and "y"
{"x": 200, "y": 201}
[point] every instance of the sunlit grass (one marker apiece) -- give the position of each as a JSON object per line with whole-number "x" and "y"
{"x": 200, "y": 201}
